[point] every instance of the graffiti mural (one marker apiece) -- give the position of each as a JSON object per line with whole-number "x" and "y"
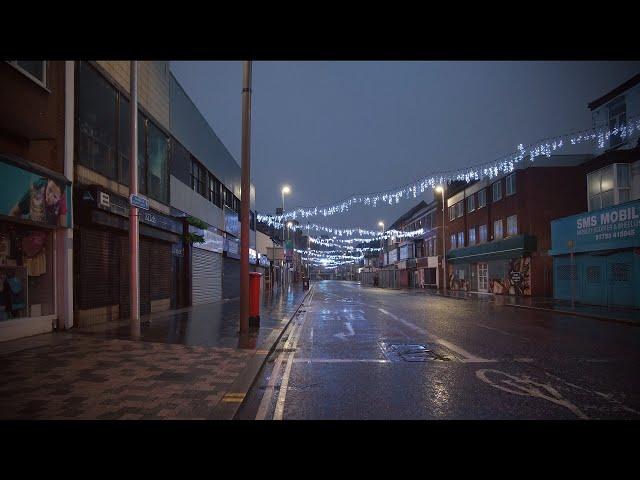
{"x": 457, "y": 280}
{"x": 517, "y": 280}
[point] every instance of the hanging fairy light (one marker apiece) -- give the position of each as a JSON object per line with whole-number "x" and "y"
{"x": 489, "y": 170}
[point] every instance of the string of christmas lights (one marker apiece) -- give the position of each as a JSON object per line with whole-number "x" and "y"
{"x": 490, "y": 170}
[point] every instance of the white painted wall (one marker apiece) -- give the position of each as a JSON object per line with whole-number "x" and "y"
{"x": 189, "y": 201}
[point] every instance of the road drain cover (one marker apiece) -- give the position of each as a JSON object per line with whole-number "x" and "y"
{"x": 413, "y": 352}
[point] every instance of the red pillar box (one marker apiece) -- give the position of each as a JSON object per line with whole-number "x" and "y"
{"x": 254, "y": 296}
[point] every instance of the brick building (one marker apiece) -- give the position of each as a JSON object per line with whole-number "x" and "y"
{"x": 498, "y": 230}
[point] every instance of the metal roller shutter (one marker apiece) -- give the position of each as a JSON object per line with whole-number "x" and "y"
{"x": 99, "y": 265}
{"x": 207, "y": 276}
{"x": 231, "y": 278}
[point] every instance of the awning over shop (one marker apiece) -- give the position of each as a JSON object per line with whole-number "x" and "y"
{"x": 511, "y": 247}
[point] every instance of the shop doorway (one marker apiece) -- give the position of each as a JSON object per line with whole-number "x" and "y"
{"x": 483, "y": 277}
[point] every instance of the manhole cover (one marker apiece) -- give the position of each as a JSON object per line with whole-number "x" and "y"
{"x": 413, "y": 352}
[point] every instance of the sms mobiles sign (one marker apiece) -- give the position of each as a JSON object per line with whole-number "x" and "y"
{"x": 610, "y": 228}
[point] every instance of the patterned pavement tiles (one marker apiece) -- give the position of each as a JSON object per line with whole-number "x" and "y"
{"x": 84, "y": 377}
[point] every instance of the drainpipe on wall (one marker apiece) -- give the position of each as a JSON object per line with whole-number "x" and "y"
{"x": 64, "y": 236}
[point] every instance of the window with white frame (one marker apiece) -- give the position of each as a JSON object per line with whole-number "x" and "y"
{"x": 497, "y": 230}
{"x": 453, "y": 241}
{"x": 452, "y": 212}
{"x": 482, "y": 233}
{"x": 460, "y": 239}
{"x": 472, "y": 236}
{"x": 471, "y": 203}
{"x": 482, "y": 198}
{"x": 34, "y": 69}
{"x": 617, "y": 118}
{"x": 609, "y": 186}
{"x": 512, "y": 225}
{"x": 497, "y": 190}
{"x": 459, "y": 209}
{"x": 511, "y": 184}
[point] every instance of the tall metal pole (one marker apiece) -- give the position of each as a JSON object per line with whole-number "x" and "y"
{"x": 134, "y": 265}
{"x": 444, "y": 249}
{"x": 283, "y": 243}
{"x": 244, "y": 204}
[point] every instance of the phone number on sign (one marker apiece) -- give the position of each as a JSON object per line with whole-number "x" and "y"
{"x": 623, "y": 234}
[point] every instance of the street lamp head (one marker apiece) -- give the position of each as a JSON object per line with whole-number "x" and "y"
{"x": 289, "y": 224}
{"x": 381, "y": 224}
{"x": 439, "y": 189}
{"x": 286, "y": 189}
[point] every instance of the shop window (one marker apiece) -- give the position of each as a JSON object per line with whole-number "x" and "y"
{"x": 471, "y": 206}
{"x": 482, "y": 233}
{"x": 497, "y": 230}
{"x": 566, "y": 272}
{"x": 26, "y": 272}
{"x": 158, "y": 167}
{"x": 512, "y": 225}
{"x": 620, "y": 272}
{"x": 496, "y": 188}
{"x": 97, "y": 102}
{"x": 482, "y": 198}
{"x": 511, "y": 184}
{"x": 593, "y": 274}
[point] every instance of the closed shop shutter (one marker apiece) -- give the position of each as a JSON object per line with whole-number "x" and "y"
{"x": 207, "y": 276}
{"x": 145, "y": 247}
{"x": 99, "y": 265}
{"x": 231, "y": 278}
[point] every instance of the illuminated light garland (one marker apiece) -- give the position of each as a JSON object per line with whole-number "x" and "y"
{"x": 330, "y": 256}
{"x": 491, "y": 170}
{"x": 269, "y": 221}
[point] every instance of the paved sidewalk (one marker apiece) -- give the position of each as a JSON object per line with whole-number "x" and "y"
{"x": 613, "y": 314}
{"x": 190, "y": 364}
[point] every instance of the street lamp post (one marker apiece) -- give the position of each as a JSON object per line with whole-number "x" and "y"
{"x": 381, "y": 225}
{"x": 244, "y": 204}
{"x": 285, "y": 189}
{"x": 134, "y": 277}
{"x": 441, "y": 189}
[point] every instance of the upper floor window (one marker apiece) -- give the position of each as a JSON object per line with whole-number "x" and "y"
{"x": 452, "y": 212}
{"x": 512, "y": 225}
{"x": 460, "y": 239}
{"x": 453, "y": 241}
{"x": 198, "y": 177}
{"x": 609, "y": 186}
{"x": 472, "y": 236}
{"x": 157, "y": 164}
{"x": 471, "y": 204}
{"x": 497, "y": 230}
{"x": 34, "y": 69}
{"x": 459, "y": 209}
{"x": 497, "y": 190}
{"x": 511, "y": 184}
{"x": 617, "y": 117}
{"x": 482, "y": 198}
{"x": 482, "y": 233}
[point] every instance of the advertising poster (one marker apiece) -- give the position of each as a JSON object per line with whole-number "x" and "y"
{"x": 33, "y": 196}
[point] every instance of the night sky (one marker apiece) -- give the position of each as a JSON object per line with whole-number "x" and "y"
{"x": 334, "y": 129}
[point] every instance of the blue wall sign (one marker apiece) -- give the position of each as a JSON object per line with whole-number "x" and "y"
{"x": 139, "y": 201}
{"x": 610, "y": 228}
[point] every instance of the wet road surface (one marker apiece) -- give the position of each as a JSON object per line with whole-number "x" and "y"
{"x": 356, "y": 352}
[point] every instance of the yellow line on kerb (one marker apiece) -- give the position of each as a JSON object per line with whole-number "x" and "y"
{"x": 233, "y": 397}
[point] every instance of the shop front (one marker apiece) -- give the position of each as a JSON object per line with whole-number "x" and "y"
{"x": 500, "y": 267}
{"x": 101, "y": 258}
{"x": 596, "y": 256}
{"x": 34, "y": 203}
{"x": 206, "y": 281}
{"x": 231, "y": 268}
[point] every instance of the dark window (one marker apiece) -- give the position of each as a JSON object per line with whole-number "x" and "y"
{"x": 228, "y": 198}
{"x": 124, "y": 140}
{"x": 252, "y": 220}
{"x": 157, "y": 171}
{"x": 180, "y": 162}
{"x": 97, "y": 122}
{"x": 35, "y": 68}
{"x": 142, "y": 154}
{"x": 215, "y": 191}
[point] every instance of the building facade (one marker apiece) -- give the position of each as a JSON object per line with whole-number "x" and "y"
{"x": 498, "y": 230}
{"x": 596, "y": 253}
{"x": 36, "y": 138}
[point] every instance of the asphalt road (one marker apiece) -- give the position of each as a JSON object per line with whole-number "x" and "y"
{"x": 356, "y": 352}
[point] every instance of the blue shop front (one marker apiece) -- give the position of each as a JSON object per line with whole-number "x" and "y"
{"x": 606, "y": 249}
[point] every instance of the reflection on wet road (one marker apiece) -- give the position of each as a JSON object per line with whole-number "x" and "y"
{"x": 354, "y": 352}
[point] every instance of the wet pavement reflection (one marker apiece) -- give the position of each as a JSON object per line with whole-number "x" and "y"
{"x": 209, "y": 325}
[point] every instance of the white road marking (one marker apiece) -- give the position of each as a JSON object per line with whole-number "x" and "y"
{"x": 467, "y": 357}
{"x": 340, "y": 360}
{"x": 344, "y": 336}
{"x": 503, "y": 332}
